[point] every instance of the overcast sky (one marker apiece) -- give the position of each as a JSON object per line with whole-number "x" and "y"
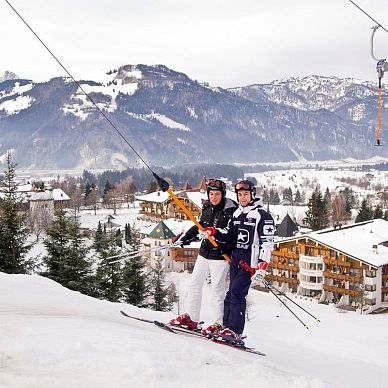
{"x": 224, "y": 42}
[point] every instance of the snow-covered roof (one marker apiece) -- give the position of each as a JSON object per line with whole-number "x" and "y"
{"x": 157, "y": 196}
{"x": 60, "y": 195}
{"x": 356, "y": 240}
{"x": 41, "y": 196}
{"x": 197, "y": 197}
{"x": 174, "y": 225}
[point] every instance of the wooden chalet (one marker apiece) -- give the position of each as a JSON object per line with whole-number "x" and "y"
{"x": 176, "y": 259}
{"x": 159, "y": 206}
{"x": 338, "y": 265}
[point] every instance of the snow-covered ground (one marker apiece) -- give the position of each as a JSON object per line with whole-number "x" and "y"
{"x": 53, "y": 337}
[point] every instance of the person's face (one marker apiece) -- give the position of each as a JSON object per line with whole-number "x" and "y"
{"x": 215, "y": 197}
{"x": 244, "y": 197}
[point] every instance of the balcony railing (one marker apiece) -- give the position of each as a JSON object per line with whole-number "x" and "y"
{"x": 284, "y": 279}
{"x": 287, "y": 267}
{"x": 344, "y": 277}
{"x": 333, "y": 261}
{"x": 311, "y": 285}
{"x": 339, "y": 290}
{"x": 289, "y": 255}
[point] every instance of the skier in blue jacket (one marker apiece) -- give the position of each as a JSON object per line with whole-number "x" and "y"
{"x": 251, "y": 233}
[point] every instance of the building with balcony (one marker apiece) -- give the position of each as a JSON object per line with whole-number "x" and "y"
{"x": 175, "y": 259}
{"x": 343, "y": 265}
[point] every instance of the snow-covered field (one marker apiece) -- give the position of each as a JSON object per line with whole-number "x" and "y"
{"x": 53, "y": 337}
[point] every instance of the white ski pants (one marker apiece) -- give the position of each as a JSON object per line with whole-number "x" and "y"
{"x": 218, "y": 270}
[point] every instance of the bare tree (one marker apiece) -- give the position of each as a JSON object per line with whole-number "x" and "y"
{"x": 126, "y": 190}
{"x": 38, "y": 220}
{"x": 76, "y": 199}
{"x": 338, "y": 209}
{"x": 112, "y": 200}
{"x": 92, "y": 200}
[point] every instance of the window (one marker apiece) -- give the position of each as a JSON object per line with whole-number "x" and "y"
{"x": 370, "y": 273}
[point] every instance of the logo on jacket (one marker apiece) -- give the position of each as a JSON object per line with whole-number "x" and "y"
{"x": 243, "y": 236}
{"x": 268, "y": 230}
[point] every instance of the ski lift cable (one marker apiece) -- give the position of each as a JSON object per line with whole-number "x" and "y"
{"x": 369, "y": 16}
{"x": 381, "y": 67}
{"x": 80, "y": 86}
{"x": 163, "y": 184}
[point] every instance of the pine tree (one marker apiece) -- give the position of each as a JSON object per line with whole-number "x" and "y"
{"x": 66, "y": 261}
{"x": 109, "y": 276}
{"x": 98, "y": 238}
{"x": 378, "y": 212}
{"x": 365, "y": 213}
{"x": 119, "y": 242}
{"x": 135, "y": 279}
{"x": 78, "y": 268}
{"x": 350, "y": 200}
{"x": 57, "y": 246}
{"x": 317, "y": 213}
{"x": 327, "y": 197}
{"x": 159, "y": 292}
{"x": 276, "y": 198}
{"x": 127, "y": 234}
{"x": 298, "y": 197}
{"x": 265, "y": 196}
{"x": 13, "y": 232}
{"x": 287, "y": 196}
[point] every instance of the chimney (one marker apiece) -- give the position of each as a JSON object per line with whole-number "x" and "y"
{"x": 374, "y": 249}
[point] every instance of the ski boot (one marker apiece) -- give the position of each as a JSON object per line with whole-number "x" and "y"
{"x": 212, "y": 330}
{"x": 230, "y": 336}
{"x": 186, "y": 322}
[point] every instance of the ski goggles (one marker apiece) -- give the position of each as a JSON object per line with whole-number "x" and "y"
{"x": 215, "y": 184}
{"x": 243, "y": 186}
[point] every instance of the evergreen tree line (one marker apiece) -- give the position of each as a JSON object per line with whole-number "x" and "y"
{"x": 73, "y": 261}
{"x": 177, "y": 176}
{"x": 325, "y": 210}
{"x": 288, "y": 198}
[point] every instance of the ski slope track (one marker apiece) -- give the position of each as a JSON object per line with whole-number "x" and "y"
{"x": 53, "y": 337}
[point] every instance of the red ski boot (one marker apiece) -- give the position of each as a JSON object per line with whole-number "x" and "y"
{"x": 185, "y": 321}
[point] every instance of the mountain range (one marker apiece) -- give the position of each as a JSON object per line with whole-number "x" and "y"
{"x": 171, "y": 119}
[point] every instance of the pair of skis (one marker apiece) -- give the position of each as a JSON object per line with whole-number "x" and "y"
{"x": 182, "y": 331}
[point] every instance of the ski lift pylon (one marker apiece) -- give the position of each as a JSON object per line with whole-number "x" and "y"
{"x": 381, "y": 68}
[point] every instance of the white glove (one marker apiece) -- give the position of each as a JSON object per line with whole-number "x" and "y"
{"x": 258, "y": 277}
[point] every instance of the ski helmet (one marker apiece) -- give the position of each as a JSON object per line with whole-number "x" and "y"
{"x": 245, "y": 185}
{"x": 216, "y": 184}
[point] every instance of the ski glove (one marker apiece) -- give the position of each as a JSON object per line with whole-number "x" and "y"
{"x": 209, "y": 231}
{"x": 259, "y": 275}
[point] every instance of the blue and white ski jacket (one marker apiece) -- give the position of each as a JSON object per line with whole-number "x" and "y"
{"x": 251, "y": 232}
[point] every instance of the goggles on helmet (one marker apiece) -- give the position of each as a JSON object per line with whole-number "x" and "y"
{"x": 246, "y": 186}
{"x": 215, "y": 184}
{"x": 243, "y": 186}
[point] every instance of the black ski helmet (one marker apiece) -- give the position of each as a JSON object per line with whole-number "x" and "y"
{"x": 216, "y": 184}
{"x": 246, "y": 186}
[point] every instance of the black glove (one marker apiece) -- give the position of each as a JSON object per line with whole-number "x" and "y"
{"x": 184, "y": 242}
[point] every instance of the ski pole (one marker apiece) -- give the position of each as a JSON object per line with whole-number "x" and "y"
{"x": 131, "y": 255}
{"x": 283, "y": 294}
{"x": 282, "y": 302}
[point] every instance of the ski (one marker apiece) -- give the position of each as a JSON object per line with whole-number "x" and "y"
{"x": 182, "y": 331}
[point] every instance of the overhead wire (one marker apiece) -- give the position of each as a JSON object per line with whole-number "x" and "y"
{"x": 81, "y": 88}
{"x": 367, "y": 14}
{"x": 164, "y": 185}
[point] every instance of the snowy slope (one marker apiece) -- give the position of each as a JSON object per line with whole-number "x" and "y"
{"x": 53, "y": 337}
